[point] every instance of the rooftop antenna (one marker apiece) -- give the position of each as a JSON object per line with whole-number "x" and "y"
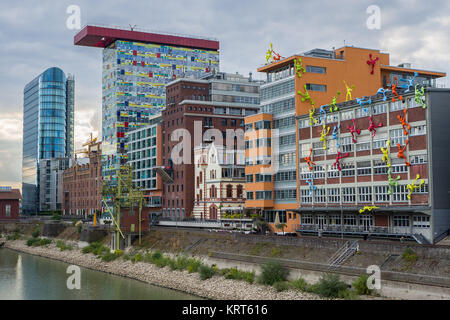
{"x": 132, "y": 27}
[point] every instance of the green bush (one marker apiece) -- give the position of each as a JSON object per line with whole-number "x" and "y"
{"x": 96, "y": 248}
{"x": 79, "y": 227}
{"x": 36, "y": 233}
{"x": 301, "y": 285}
{"x": 15, "y": 236}
{"x": 360, "y": 285}
{"x": 38, "y": 242}
{"x": 108, "y": 256}
{"x": 63, "y": 246}
{"x": 205, "y": 272}
{"x": 138, "y": 257}
{"x": 118, "y": 253}
{"x": 330, "y": 286}
{"x": 156, "y": 255}
{"x": 271, "y": 272}
{"x": 193, "y": 265}
{"x": 32, "y": 241}
{"x": 281, "y": 286}
{"x": 56, "y": 217}
{"x": 161, "y": 262}
{"x": 409, "y": 255}
{"x": 236, "y": 274}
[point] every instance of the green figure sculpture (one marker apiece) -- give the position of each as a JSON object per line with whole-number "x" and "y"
{"x": 420, "y": 97}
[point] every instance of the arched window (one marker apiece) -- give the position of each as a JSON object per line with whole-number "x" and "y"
{"x": 239, "y": 191}
{"x": 201, "y": 176}
{"x": 229, "y": 191}
{"x": 201, "y": 194}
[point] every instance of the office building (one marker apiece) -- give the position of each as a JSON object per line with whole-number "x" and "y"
{"x": 137, "y": 65}
{"x": 47, "y": 129}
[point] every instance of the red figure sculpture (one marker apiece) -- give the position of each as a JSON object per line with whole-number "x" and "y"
{"x": 340, "y": 156}
{"x": 372, "y": 126}
{"x": 371, "y": 62}
{"x": 405, "y": 125}
{"x": 401, "y": 154}
{"x": 309, "y": 161}
{"x": 394, "y": 91}
{"x": 353, "y": 130}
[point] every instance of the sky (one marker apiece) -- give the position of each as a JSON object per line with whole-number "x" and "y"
{"x": 34, "y": 36}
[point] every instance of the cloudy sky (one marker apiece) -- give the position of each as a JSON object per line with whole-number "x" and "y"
{"x": 34, "y": 36}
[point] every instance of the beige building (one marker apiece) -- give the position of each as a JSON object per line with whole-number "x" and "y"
{"x": 219, "y": 183}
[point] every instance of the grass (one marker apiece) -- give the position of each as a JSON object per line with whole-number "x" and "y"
{"x": 409, "y": 255}
{"x": 271, "y": 272}
{"x": 206, "y": 272}
{"x": 15, "y": 236}
{"x": 330, "y": 286}
{"x": 63, "y": 246}
{"x": 95, "y": 248}
{"x": 360, "y": 285}
{"x": 236, "y": 274}
{"x": 38, "y": 242}
{"x": 282, "y": 286}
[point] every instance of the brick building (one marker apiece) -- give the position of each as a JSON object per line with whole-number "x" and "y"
{"x": 9, "y": 203}
{"x": 82, "y": 183}
{"x": 218, "y": 101}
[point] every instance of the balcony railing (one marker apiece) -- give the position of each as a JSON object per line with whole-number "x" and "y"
{"x": 355, "y": 229}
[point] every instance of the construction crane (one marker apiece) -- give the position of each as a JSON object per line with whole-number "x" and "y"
{"x": 123, "y": 196}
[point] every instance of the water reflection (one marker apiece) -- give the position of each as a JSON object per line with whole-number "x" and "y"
{"x": 23, "y": 276}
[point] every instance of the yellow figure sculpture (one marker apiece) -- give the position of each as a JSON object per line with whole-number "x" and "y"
{"x": 411, "y": 187}
{"x": 386, "y": 154}
{"x": 323, "y": 134}
{"x": 312, "y": 120}
{"x": 269, "y": 56}
{"x": 348, "y": 96}
{"x": 367, "y": 208}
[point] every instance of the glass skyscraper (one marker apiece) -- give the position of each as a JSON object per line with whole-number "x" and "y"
{"x": 48, "y": 122}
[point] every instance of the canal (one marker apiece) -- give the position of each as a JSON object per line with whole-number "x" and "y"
{"x": 27, "y": 277}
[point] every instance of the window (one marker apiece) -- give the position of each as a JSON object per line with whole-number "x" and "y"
{"x": 365, "y": 194}
{"x": 401, "y": 221}
{"x": 320, "y": 195}
{"x": 249, "y": 195}
{"x": 263, "y": 178}
{"x": 397, "y": 137}
{"x": 304, "y": 123}
{"x": 397, "y": 105}
{"x": 334, "y": 195}
{"x": 348, "y": 169}
{"x": 332, "y": 171}
{"x": 318, "y": 148}
{"x": 263, "y": 195}
{"x": 379, "y": 109}
{"x": 305, "y": 196}
{"x": 285, "y": 176}
{"x": 347, "y": 115}
{"x": 314, "y": 69}
{"x": 335, "y": 220}
{"x": 398, "y": 166}
{"x": 239, "y": 191}
{"x": 8, "y": 210}
{"x": 378, "y": 144}
{"x": 304, "y": 150}
{"x": 332, "y": 118}
{"x": 381, "y": 193}
{"x": 347, "y": 144}
{"x": 307, "y": 219}
{"x": 249, "y": 178}
{"x": 316, "y": 87}
{"x": 380, "y": 167}
{"x": 305, "y": 173}
{"x": 418, "y": 130}
{"x": 349, "y": 220}
{"x": 286, "y": 194}
{"x": 399, "y": 193}
{"x": 419, "y": 159}
{"x": 286, "y": 159}
{"x": 287, "y": 140}
{"x": 364, "y": 168}
{"x": 363, "y": 146}
{"x": 319, "y": 172}
{"x": 348, "y": 195}
{"x": 361, "y": 113}
{"x": 421, "y": 222}
{"x": 284, "y": 122}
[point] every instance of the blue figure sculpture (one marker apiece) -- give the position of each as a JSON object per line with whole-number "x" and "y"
{"x": 361, "y": 102}
{"x": 409, "y": 82}
{"x": 336, "y": 131}
{"x": 323, "y": 113}
{"x": 383, "y": 92}
{"x": 311, "y": 186}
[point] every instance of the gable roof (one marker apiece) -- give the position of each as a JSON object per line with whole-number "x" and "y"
{"x": 14, "y": 194}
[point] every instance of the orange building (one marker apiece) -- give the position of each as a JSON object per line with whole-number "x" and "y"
{"x": 298, "y": 86}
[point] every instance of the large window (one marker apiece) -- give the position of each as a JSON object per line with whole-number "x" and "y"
{"x": 397, "y": 137}
{"x": 334, "y": 195}
{"x": 348, "y": 169}
{"x": 305, "y": 196}
{"x": 316, "y": 87}
{"x": 364, "y": 168}
{"x": 314, "y": 69}
{"x": 8, "y": 210}
{"x": 287, "y": 194}
{"x": 277, "y": 90}
{"x": 348, "y": 195}
{"x": 381, "y": 194}
{"x": 399, "y": 193}
{"x": 365, "y": 194}
{"x": 320, "y": 195}
{"x": 401, "y": 221}
{"x": 307, "y": 219}
{"x": 347, "y": 144}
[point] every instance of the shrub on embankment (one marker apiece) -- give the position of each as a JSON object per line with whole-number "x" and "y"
{"x": 38, "y": 242}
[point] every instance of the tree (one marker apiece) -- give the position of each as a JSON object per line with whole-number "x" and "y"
{"x": 280, "y": 226}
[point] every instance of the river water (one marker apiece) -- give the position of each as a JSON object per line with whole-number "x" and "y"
{"x": 27, "y": 277}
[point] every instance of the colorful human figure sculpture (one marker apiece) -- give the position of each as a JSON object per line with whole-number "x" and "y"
{"x": 372, "y": 126}
{"x": 383, "y": 92}
{"x": 312, "y": 120}
{"x": 420, "y": 96}
{"x": 368, "y": 208}
{"x": 339, "y": 157}
{"x": 392, "y": 182}
{"x": 269, "y": 55}
{"x": 371, "y": 62}
{"x": 336, "y": 131}
{"x": 409, "y": 82}
{"x": 333, "y": 106}
{"x": 299, "y": 69}
{"x": 411, "y": 187}
{"x": 348, "y": 96}
{"x": 394, "y": 91}
{"x": 323, "y": 114}
{"x": 386, "y": 154}
{"x": 308, "y": 160}
{"x": 312, "y": 187}
{"x": 401, "y": 152}
{"x": 323, "y": 134}
{"x": 405, "y": 125}
{"x": 354, "y": 131}
{"x": 305, "y": 96}
{"x": 361, "y": 102}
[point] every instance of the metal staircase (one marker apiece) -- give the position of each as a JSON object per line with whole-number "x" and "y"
{"x": 420, "y": 238}
{"x": 344, "y": 253}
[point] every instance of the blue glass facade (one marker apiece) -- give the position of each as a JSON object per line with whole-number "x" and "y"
{"x": 47, "y": 128}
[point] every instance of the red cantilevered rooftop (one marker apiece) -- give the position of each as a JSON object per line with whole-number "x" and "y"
{"x": 101, "y": 37}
